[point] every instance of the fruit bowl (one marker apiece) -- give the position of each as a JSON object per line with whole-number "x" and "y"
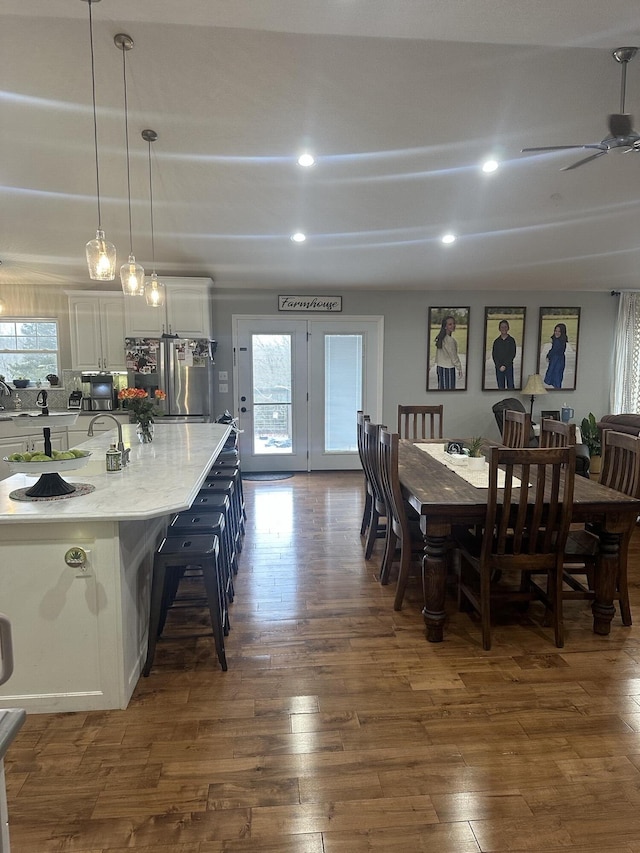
{"x": 52, "y": 466}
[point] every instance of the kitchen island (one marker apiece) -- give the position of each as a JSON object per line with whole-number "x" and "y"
{"x": 76, "y": 571}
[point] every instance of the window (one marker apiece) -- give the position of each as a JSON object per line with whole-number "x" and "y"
{"x": 625, "y": 389}
{"x": 28, "y": 349}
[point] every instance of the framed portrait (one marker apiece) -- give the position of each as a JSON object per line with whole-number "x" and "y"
{"x": 503, "y": 345}
{"x": 447, "y": 347}
{"x": 554, "y": 414}
{"x": 558, "y": 341}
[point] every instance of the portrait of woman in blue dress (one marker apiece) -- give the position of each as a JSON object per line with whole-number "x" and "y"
{"x": 556, "y": 357}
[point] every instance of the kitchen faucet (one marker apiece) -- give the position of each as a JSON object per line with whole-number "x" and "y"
{"x": 5, "y": 391}
{"x": 124, "y": 450}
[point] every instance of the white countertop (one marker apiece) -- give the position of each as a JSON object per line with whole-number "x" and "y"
{"x": 162, "y": 477}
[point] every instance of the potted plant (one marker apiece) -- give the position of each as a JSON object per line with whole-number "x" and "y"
{"x": 476, "y": 456}
{"x": 52, "y": 379}
{"x": 591, "y": 437}
{"x": 20, "y": 382}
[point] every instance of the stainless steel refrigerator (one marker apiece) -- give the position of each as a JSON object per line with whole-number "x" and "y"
{"x": 181, "y": 367}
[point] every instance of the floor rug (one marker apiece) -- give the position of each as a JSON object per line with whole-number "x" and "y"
{"x": 284, "y": 475}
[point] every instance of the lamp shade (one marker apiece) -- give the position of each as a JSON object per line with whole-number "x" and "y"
{"x": 154, "y": 292}
{"x": 534, "y": 385}
{"x": 101, "y": 258}
{"x": 132, "y": 278}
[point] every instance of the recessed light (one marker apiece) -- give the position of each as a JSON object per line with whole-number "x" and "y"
{"x": 490, "y": 166}
{"x": 298, "y": 237}
{"x": 448, "y": 238}
{"x": 306, "y": 160}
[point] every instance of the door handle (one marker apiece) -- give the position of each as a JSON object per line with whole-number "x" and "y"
{"x": 243, "y": 399}
{"x": 243, "y": 408}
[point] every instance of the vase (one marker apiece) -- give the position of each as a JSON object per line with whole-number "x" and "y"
{"x": 476, "y": 463}
{"x": 145, "y": 432}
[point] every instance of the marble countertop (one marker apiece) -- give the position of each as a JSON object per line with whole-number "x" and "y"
{"x": 162, "y": 477}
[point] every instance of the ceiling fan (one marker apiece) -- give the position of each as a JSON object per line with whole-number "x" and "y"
{"x": 622, "y": 134}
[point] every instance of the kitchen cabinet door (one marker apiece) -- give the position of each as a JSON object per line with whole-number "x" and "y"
{"x": 187, "y": 312}
{"x": 189, "y": 307}
{"x": 96, "y": 323}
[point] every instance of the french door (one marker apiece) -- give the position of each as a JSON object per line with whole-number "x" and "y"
{"x": 298, "y": 385}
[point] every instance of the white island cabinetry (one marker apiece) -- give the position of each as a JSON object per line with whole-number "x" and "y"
{"x": 187, "y": 312}
{"x": 80, "y": 630}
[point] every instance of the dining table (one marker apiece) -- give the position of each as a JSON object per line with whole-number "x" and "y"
{"x": 444, "y": 499}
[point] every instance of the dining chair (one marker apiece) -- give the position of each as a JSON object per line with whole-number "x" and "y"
{"x": 368, "y": 488}
{"x": 416, "y": 422}
{"x": 525, "y": 530}
{"x": 377, "y": 527}
{"x": 620, "y": 471}
{"x": 402, "y": 520}
{"x": 555, "y": 433}
{"x": 517, "y": 429}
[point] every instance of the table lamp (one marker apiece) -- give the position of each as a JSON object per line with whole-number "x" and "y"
{"x": 533, "y": 388}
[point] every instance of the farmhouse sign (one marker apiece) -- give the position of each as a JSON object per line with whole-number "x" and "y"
{"x": 310, "y": 303}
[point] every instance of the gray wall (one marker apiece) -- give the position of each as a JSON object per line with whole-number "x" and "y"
{"x": 405, "y": 312}
{"x": 405, "y": 317}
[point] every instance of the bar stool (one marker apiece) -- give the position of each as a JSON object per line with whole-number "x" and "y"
{"x": 225, "y": 486}
{"x": 207, "y": 521}
{"x": 233, "y": 464}
{"x": 210, "y": 501}
{"x": 217, "y": 474}
{"x": 175, "y": 555}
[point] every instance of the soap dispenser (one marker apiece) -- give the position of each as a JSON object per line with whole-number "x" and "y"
{"x": 17, "y": 402}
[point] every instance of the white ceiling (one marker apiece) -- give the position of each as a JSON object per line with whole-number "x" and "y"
{"x": 399, "y": 101}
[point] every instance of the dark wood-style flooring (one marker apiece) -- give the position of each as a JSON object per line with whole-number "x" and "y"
{"x": 338, "y": 728}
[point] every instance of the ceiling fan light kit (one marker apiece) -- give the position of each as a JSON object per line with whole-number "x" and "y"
{"x": 622, "y": 134}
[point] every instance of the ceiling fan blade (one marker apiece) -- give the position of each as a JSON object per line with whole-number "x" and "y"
{"x": 583, "y": 161}
{"x": 620, "y": 124}
{"x": 598, "y": 145}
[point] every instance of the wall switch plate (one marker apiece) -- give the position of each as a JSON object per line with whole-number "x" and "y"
{"x": 223, "y": 388}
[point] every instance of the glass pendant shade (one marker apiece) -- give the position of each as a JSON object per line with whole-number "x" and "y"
{"x": 101, "y": 258}
{"x": 132, "y": 278}
{"x": 154, "y": 292}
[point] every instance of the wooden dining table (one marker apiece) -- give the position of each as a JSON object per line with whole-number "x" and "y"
{"x": 444, "y": 500}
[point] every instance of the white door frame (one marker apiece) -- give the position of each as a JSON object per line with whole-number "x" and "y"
{"x": 372, "y": 386}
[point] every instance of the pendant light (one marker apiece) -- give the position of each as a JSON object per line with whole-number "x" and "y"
{"x": 154, "y": 290}
{"x": 131, "y": 273}
{"x": 101, "y": 255}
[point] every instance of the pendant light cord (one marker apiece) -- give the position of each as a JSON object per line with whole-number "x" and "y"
{"x": 126, "y": 137}
{"x": 95, "y": 120}
{"x": 153, "y": 245}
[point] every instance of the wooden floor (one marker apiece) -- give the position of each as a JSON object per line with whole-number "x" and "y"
{"x": 338, "y": 728}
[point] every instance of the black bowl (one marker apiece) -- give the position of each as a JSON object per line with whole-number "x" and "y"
{"x": 21, "y": 383}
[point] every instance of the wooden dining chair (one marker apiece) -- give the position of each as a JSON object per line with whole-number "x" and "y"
{"x": 368, "y": 488}
{"x": 403, "y": 521}
{"x": 516, "y": 431}
{"x": 557, "y": 434}
{"x": 377, "y": 527}
{"x": 416, "y": 422}
{"x": 620, "y": 471}
{"x": 525, "y": 529}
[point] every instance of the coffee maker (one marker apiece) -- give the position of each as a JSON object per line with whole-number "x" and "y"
{"x": 98, "y": 395}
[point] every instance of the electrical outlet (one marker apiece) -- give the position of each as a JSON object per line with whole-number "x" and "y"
{"x": 223, "y": 389}
{"x": 223, "y": 375}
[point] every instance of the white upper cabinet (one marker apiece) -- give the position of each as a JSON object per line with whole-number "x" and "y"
{"x": 187, "y": 312}
{"x": 96, "y": 325}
